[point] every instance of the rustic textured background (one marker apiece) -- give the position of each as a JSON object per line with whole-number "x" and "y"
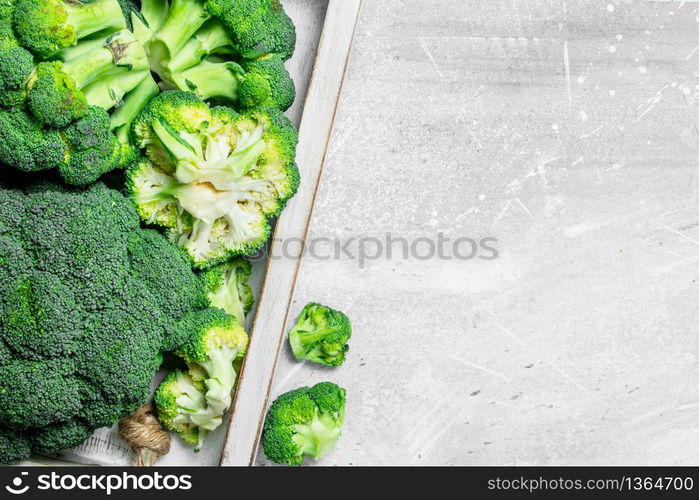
{"x": 566, "y": 129}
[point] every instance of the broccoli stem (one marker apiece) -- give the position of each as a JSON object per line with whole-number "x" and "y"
{"x": 208, "y": 79}
{"x": 319, "y": 437}
{"x": 211, "y": 38}
{"x": 228, "y": 298}
{"x": 118, "y": 52}
{"x": 110, "y": 91}
{"x": 154, "y": 12}
{"x": 134, "y": 102}
{"x": 89, "y": 18}
{"x": 184, "y": 18}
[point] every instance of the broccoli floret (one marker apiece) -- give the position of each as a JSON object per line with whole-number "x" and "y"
{"x": 26, "y": 145}
{"x": 180, "y": 52}
{"x": 47, "y": 26}
{"x": 320, "y": 335}
{"x": 106, "y": 71}
{"x": 258, "y": 27}
{"x": 212, "y": 177}
{"x": 267, "y": 83}
{"x": 228, "y": 288}
{"x": 192, "y": 403}
{"x": 88, "y": 302}
{"x": 304, "y": 422}
{"x": 181, "y": 407}
{"x": 214, "y": 340}
{"x": 16, "y": 64}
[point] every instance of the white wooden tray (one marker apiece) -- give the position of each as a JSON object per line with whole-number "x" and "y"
{"x": 324, "y": 36}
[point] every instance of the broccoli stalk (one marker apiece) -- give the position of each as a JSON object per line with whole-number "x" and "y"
{"x": 47, "y": 26}
{"x": 228, "y": 288}
{"x": 132, "y": 104}
{"x": 211, "y": 79}
{"x": 210, "y": 39}
{"x": 304, "y": 422}
{"x": 320, "y": 335}
{"x": 184, "y": 18}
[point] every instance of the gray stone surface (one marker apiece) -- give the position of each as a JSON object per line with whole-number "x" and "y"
{"x": 567, "y": 130}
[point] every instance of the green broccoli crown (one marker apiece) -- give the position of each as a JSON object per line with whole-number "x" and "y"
{"x": 304, "y": 422}
{"x": 228, "y": 288}
{"x": 47, "y": 26}
{"x": 26, "y": 145}
{"x": 267, "y": 83}
{"x": 54, "y": 98}
{"x": 257, "y": 27}
{"x": 86, "y": 307}
{"x": 213, "y": 177}
{"x": 321, "y": 335}
{"x": 16, "y": 64}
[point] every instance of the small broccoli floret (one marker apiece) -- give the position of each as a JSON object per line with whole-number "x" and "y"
{"x": 215, "y": 340}
{"x": 258, "y": 27}
{"x": 267, "y": 83}
{"x": 54, "y": 98}
{"x": 213, "y": 177}
{"x": 47, "y": 26}
{"x": 320, "y": 335}
{"x": 26, "y": 145}
{"x": 228, "y": 288}
{"x": 16, "y": 64}
{"x": 182, "y": 407}
{"x": 304, "y": 422}
{"x": 193, "y": 403}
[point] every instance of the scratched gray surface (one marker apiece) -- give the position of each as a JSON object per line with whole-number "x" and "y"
{"x": 567, "y": 130}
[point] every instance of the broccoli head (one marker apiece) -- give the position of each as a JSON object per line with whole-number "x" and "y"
{"x": 16, "y": 64}
{"x": 228, "y": 287}
{"x": 258, "y": 27}
{"x": 25, "y": 144}
{"x": 304, "y": 422}
{"x": 320, "y": 335}
{"x": 88, "y": 301}
{"x": 47, "y": 26}
{"x": 212, "y": 177}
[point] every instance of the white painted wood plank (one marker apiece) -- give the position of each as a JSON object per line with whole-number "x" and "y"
{"x": 272, "y": 314}
{"x": 105, "y": 447}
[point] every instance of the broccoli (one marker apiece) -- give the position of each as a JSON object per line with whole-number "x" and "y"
{"x": 258, "y": 27}
{"x": 228, "y": 287}
{"x": 193, "y": 403}
{"x": 212, "y": 177}
{"x": 16, "y": 64}
{"x": 47, "y": 26}
{"x": 109, "y": 69}
{"x": 320, "y": 335}
{"x": 304, "y": 422}
{"x": 88, "y": 301}
{"x": 193, "y": 30}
